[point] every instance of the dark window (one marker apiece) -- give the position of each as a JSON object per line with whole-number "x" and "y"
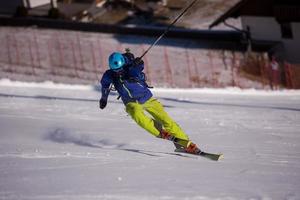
{"x": 286, "y": 31}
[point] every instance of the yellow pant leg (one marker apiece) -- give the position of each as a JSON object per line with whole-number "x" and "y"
{"x": 136, "y": 111}
{"x": 155, "y": 108}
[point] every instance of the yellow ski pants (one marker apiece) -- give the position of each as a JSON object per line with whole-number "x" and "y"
{"x": 159, "y": 120}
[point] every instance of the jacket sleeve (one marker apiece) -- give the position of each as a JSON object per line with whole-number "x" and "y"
{"x": 140, "y": 67}
{"x": 106, "y": 80}
{"x": 130, "y": 62}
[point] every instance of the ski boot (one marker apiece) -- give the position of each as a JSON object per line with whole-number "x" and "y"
{"x": 180, "y": 144}
{"x": 192, "y": 148}
{"x": 165, "y": 135}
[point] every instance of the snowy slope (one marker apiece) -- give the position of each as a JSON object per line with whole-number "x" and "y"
{"x": 56, "y": 144}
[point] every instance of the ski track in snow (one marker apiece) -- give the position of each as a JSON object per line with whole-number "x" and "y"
{"x": 56, "y": 144}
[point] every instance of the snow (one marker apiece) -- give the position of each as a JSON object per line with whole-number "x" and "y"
{"x": 56, "y": 144}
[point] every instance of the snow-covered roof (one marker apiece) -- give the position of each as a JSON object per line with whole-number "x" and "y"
{"x": 288, "y": 10}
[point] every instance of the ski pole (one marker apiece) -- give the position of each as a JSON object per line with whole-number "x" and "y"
{"x": 168, "y": 28}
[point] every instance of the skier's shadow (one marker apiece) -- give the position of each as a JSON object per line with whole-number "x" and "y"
{"x": 64, "y": 136}
{"x": 151, "y": 153}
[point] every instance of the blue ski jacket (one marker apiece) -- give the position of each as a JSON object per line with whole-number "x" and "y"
{"x": 129, "y": 82}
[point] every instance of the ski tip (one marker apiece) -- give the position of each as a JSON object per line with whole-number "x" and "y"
{"x": 221, "y": 157}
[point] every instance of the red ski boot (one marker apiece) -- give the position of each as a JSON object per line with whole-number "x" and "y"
{"x": 165, "y": 135}
{"x": 192, "y": 148}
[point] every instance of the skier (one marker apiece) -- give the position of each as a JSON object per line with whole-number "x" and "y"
{"x": 125, "y": 73}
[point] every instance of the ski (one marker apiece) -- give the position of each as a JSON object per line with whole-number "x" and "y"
{"x": 211, "y": 156}
{"x": 180, "y": 143}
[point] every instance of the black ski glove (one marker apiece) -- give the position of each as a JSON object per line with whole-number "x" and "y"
{"x": 102, "y": 103}
{"x": 138, "y": 61}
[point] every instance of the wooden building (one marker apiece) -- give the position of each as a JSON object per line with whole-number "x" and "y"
{"x": 270, "y": 20}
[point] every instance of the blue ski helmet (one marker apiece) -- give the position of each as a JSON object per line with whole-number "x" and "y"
{"x": 116, "y": 61}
